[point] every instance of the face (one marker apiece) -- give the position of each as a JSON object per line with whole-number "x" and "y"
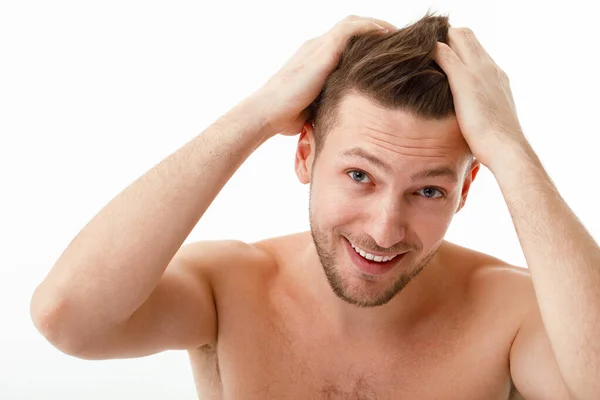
{"x": 388, "y": 183}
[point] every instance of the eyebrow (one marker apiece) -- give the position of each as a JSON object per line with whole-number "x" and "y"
{"x": 441, "y": 171}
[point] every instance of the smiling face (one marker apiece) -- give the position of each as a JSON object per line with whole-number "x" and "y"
{"x": 388, "y": 183}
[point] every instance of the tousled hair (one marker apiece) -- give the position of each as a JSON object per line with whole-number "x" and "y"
{"x": 396, "y": 71}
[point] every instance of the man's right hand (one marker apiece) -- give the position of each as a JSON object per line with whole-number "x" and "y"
{"x": 125, "y": 286}
{"x": 288, "y": 94}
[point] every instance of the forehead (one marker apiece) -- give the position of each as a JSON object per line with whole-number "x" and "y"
{"x": 362, "y": 122}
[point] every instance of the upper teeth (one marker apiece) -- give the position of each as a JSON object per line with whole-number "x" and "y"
{"x": 370, "y": 256}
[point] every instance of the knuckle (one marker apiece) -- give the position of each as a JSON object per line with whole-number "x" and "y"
{"x": 474, "y": 80}
{"x": 346, "y": 20}
{"x": 309, "y": 42}
{"x": 443, "y": 48}
{"x": 466, "y": 31}
{"x": 334, "y": 36}
{"x": 487, "y": 66}
{"x": 462, "y": 32}
{"x": 339, "y": 27}
{"x": 446, "y": 53}
{"x": 483, "y": 67}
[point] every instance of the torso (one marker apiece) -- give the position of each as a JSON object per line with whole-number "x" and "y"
{"x": 274, "y": 344}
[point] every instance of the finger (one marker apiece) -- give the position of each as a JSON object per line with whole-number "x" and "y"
{"x": 467, "y": 46}
{"x": 352, "y": 25}
{"x": 341, "y": 32}
{"x": 383, "y": 23}
{"x": 379, "y": 22}
{"x": 451, "y": 63}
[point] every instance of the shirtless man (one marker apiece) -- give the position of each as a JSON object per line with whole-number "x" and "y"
{"x": 305, "y": 316}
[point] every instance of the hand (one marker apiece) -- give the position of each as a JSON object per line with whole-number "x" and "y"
{"x": 483, "y": 101}
{"x": 287, "y": 95}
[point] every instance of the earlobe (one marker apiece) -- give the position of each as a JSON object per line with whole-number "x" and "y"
{"x": 462, "y": 202}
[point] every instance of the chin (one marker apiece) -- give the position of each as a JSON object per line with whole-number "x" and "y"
{"x": 365, "y": 290}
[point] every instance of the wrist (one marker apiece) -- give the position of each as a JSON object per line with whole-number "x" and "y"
{"x": 512, "y": 155}
{"x": 250, "y": 119}
{"x": 516, "y": 164}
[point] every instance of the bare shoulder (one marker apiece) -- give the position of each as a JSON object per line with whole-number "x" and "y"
{"x": 281, "y": 248}
{"x": 231, "y": 263}
{"x": 218, "y": 258}
{"x": 503, "y": 294}
{"x": 494, "y": 281}
{"x": 229, "y": 253}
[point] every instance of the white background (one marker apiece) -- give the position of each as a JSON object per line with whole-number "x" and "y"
{"x": 93, "y": 94}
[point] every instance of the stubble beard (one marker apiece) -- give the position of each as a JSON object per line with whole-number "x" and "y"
{"x": 327, "y": 254}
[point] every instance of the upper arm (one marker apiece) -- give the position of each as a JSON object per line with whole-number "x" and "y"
{"x": 180, "y": 313}
{"x": 533, "y": 366}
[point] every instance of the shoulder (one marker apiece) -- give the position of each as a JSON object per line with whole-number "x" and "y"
{"x": 281, "y": 248}
{"x": 232, "y": 260}
{"x": 493, "y": 282}
{"x": 220, "y": 260}
{"x": 211, "y": 254}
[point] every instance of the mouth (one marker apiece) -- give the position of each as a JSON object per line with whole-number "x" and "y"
{"x": 374, "y": 266}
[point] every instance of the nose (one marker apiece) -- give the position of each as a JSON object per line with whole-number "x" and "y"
{"x": 386, "y": 224}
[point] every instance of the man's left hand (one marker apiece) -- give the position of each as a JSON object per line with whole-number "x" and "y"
{"x": 483, "y": 101}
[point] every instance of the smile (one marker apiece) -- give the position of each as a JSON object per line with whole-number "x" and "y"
{"x": 378, "y": 265}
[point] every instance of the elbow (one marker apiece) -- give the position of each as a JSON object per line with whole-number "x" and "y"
{"x": 52, "y": 316}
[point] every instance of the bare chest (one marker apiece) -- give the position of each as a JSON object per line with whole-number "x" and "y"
{"x": 278, "y": 354}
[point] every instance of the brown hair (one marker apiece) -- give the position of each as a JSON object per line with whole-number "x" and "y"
{"x": 396, "y": 71}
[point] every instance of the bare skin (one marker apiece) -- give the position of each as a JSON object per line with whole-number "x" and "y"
{"x": 277, "y": 341}
{"x": 293, "y": 317}
{"x": 447, "y": 333}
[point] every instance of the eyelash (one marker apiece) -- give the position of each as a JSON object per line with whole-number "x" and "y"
{"x": 443, "y": 194}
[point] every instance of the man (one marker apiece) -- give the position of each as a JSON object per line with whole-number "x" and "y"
{"x": 372, "y": 303}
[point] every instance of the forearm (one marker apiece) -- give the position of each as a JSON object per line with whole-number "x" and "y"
{"x": 564, "y": 261}
{"x": 111, "y": 267}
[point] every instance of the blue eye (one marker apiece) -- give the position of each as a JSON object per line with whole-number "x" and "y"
{"x": 429, "y": 192}
{"x": 358, "y": 176}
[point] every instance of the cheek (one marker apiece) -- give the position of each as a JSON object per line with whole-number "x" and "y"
{"x": 331, "y": 208}
{"x": 431, "y": 227}
{"x": 335, "y": 212}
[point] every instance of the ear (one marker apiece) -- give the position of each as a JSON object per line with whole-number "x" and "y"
{"x": 473, "y": 170}
{"x": 305, "y": 153}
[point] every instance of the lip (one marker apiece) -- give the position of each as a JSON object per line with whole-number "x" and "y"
{"x": 371, "y": 267}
